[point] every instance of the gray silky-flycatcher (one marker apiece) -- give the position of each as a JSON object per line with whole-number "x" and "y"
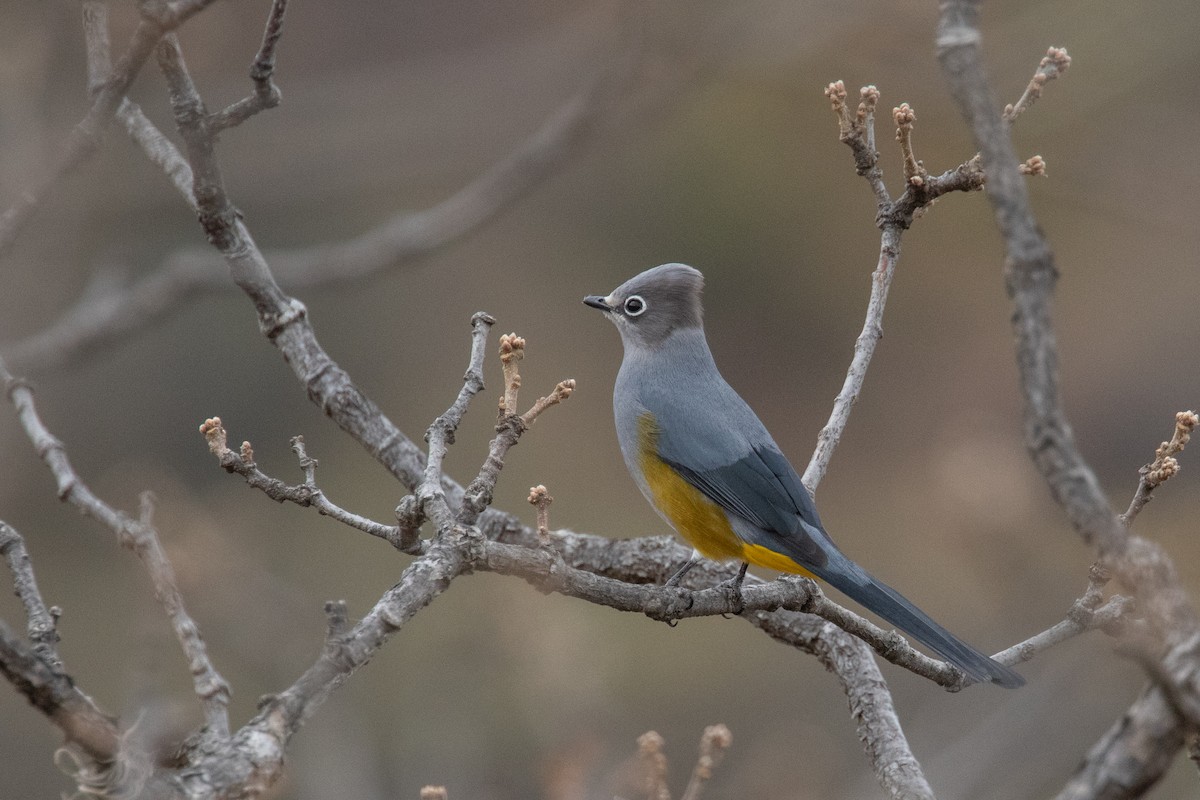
{"x": 709, "y": 467}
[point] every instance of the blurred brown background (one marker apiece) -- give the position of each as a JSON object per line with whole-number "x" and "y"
{"x": 725, "y": 157}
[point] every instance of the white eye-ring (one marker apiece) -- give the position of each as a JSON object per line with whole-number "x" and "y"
{"x": 635, "y": 305}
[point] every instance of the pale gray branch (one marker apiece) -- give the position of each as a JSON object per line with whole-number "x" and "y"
{"x": 137, "y": 535}
{"x": 41, "y": 622}
{"x": 157, "y": 20}
{"x": 441, "y": 433}
{"x": 1132, "y": 755}
{"x": 1138, "y": 564}
{"x": 306, "y": 494}
{"x": 266, "y": 94}
{"x": 53, "y": 693}
{"x": 96, "y": 321}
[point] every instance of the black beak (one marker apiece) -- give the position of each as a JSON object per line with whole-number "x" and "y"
{"x": 596, "y": 301}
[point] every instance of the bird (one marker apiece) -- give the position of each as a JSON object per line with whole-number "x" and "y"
{"x": 712, "y": 471}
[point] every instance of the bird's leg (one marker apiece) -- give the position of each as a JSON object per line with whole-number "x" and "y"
{"x": 733, "y": 587}
{"x": 692, "y": 561}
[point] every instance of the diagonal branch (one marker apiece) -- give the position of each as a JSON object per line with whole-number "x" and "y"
{"x": 157, "y": 20}
{"x": 1132, "y": 755}
{"x": 52, "y": 692}
{"x": 139, "y": 536}
{"x": 42, "y": 625}
{"x": 188, "y": 274}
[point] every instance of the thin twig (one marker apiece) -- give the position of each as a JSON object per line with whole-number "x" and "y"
{"x": 893, "y": 217}
{"x": 509, "y": 428}
{"x": 306, "y": 494}
{"x": 42, "y": 622}
{"x": 158, "y": 148}
{"x": 266, "y": 94}
{"x": 441, "y": 433}
{"x": 1164, "y": 465}
{"x": 1053, "y": 64}
{"x": 188, "y": 274}
{"x": 139, "y": 536}
{"x": 157, "y": 20}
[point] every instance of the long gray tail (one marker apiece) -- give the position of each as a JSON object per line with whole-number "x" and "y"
{"x": 885, "y": 601}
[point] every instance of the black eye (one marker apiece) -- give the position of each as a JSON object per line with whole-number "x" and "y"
{"x": 635, "y": 305}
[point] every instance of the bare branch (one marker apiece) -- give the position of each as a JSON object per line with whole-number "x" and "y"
{"x": 864, "y": 350}
{"x": 426, "y": 578}
{"x": 893, "y": 218}
{"x": 189, "y": 274}
{"x": 52, "y": 692}
{"x": 478, "y": 495}
{"x": 306, "y": 494}
{"x": 157, "y": 20}
{"x": 1164, "y": 465}
{"x": 1132, "y": 755}
{"x": 858, "y": 132}
{"x": 1052, "y": 65}
{"x": 1031, "y": 275}
{"x": 140, "y": 537}
{"x": 42, "y": 624}
{"x": 1138, "y": 564}
{"x": 1079, "y": 620}
{"x": 266, "y": 93}
{"x": 441, "y": 433}
{"x": 157, "y": 147}
{"x": 870, "y": 701}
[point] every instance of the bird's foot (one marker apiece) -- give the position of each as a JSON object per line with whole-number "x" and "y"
{"x": 733, "y": 590}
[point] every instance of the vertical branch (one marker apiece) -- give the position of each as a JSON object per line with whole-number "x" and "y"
{"x": 864, "y": 350}
{"x": 1030, "y": 275}
{"x": 441, "y": 433}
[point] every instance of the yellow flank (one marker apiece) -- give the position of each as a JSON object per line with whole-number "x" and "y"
{"x": 761, "y": 556}
{"x": 696, "y": 518}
